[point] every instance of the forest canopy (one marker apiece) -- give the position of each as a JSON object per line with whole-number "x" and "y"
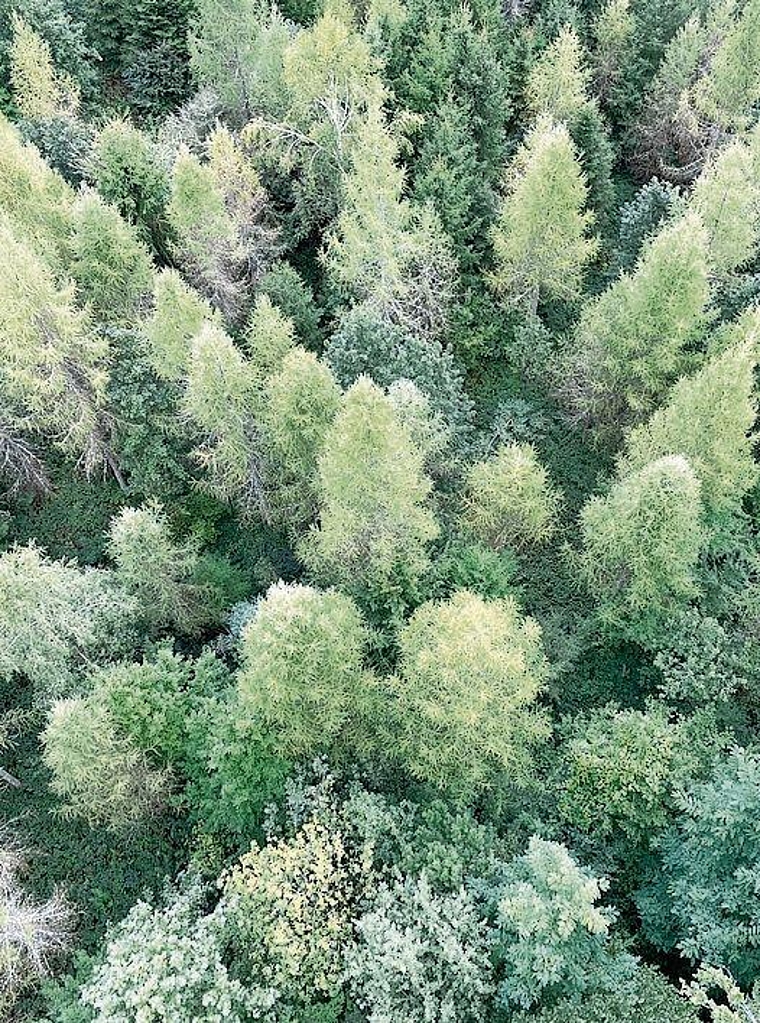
{"x": 379, "y": 511}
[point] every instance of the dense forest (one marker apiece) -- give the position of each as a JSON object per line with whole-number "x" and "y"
{"x": 379, "y": 511}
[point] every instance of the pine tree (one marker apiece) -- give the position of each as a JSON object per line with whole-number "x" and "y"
{"x": 540, "y": 238}
{"x": 631, "y": 341}
{"x": 641, "y": 543}
{"x": 469, "y": 675}
{"x": 708, "y": 418}
{"x": 374, "y": 525}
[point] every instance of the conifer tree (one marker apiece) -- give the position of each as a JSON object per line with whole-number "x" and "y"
{"x": 557, "y": 83}
{"x": 301, "y": 666}
{"x": 374, "y": 524}
{"x": 111, "y": 267}
{"x": 236, "y": 50}
{"x": 161, "y": 574}
{"x": 731, "y": 88}
{"x": 301, "y": 401}
{"x": 613, "y": 32}
{"x": 56, "y": 618}
{"x": 269, "y": 337}
{"x": 510, "y": 498}
{"x": 469, "y": 674}
{"x": 557, "y": 88}
{"x": 631, "y": 341}
{"x": 709, "y": 418}
{"x": 53, "y": 366}
{"x": 383, "y": 250}
{"x": 102, "y": 776}
{"x": 35, "y": 198}
{"x": 177, "y": 317}
{"x": 217, "y": 211}
{"x": 641, "y": 543}
{"x": 129, "y": 173}
{"x": 540, "y": 238}
{"x": 221, "y": 397}
{"x": 39, "y": 91}
{"x": 448, "y": 174}
{"x": 726, "y": 195}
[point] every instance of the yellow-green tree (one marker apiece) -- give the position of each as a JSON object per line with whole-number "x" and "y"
{"x": 709, "y": 418}
{"x": 631, "y": 342}
{"x": 641, "y": 542}
{"x": 374, "y": 524}
{"x": 469, "y": 674}
{"x": 540, "y": 239}
{"x": 301, "y": 668}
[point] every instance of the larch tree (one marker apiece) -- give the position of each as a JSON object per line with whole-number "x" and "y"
{"x": 726, "y": 195}
{"x": 540, "y": 238}
{"x": 385, "y": 251}
{"x": 221, "y": 397}
{"x": 557, "y": 88}
{"x": 161, "y": 573}
{"x": 641, "y": 543}
{"x": 54, "y": 365}
{"x": 469, "y": 674}
{"x": 301, "y": 401}
{"x": 39, "y": 91}
{"x": 510, "y": 498}
{"x": 35, "y": 198}
{"x": 56, "y": 619}
{"x": 236, "y": 50}
{"x": 111, "y": 267}
{"x": 730, "y": 90}
{"x": 101, "y": 775}
{"x": 374, "y": 524}
{"x": 631, "y": 341}
{"x": 176, "y": 318}
{"x": 302, "y": 666}
{"x": 557, "y": 82}
{"x": 709, "y": 418}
